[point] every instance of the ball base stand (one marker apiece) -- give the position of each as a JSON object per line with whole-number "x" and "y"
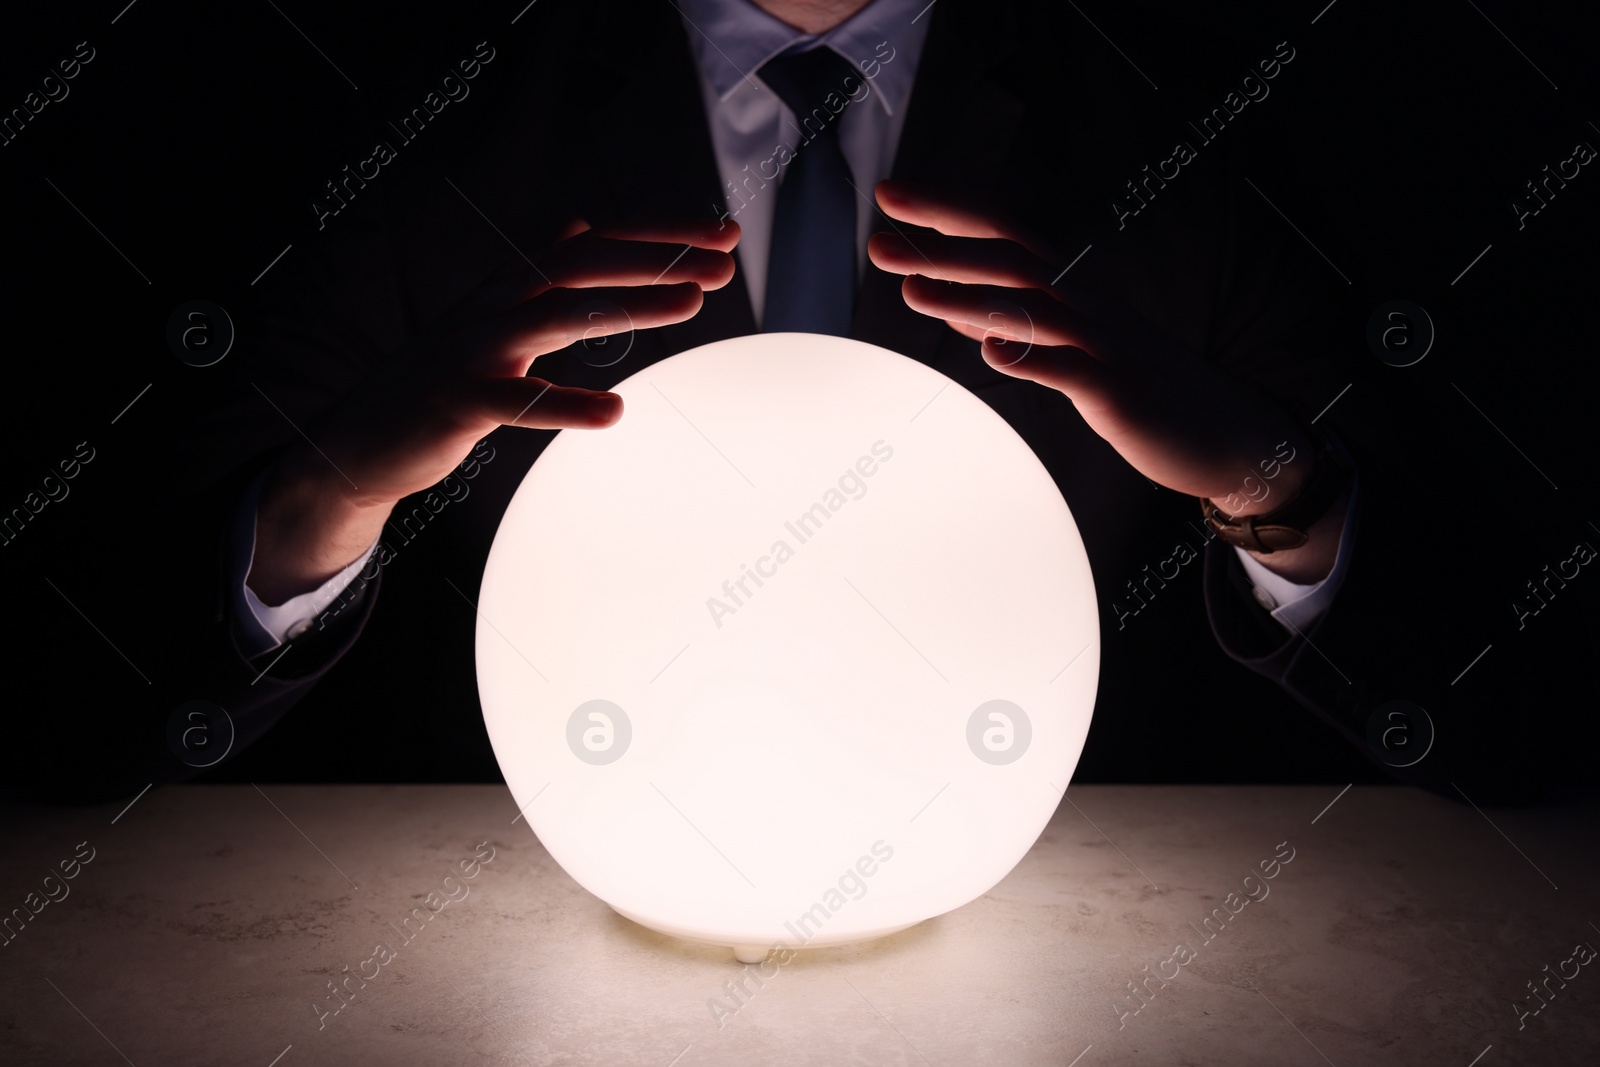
{"x": 758, "y": 953}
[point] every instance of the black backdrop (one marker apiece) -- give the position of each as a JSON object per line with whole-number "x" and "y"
{"x": 186, "y": 153}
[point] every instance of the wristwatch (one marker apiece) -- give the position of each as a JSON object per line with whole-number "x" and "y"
{"x": 1285, "y": 526}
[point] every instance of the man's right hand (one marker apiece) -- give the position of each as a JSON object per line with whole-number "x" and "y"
{"x": 323, "y": 505}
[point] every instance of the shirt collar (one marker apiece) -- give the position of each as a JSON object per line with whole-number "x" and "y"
{"x": 731, "y": 39}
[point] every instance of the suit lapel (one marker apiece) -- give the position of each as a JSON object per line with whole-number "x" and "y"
{"x": 654, "y": 160}
{"x": 961, "y": 121}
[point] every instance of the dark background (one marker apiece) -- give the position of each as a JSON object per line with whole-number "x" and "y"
{"x": 196, "y": 140}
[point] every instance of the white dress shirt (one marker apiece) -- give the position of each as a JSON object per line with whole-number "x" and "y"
{"x": 263, "y": 627}
{"x": 730, "y": 40}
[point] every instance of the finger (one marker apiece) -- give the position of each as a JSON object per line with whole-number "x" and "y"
{"x": 561, "y": 317}
{"x": 965, "y": 330}
{"x": 980, "y": 261}
{"x": 1017, "y": 314}
{"x": 669, "y": 253}
{"x": 954, "y": 219}
{"x": 601, "y": 261}
{"x": 920, "y": 207}
{"x": 1084, "y": 379}
{"x": 531, "y": 403}
{"x": 587, "y": 260}
{"x": 721, "y": 235}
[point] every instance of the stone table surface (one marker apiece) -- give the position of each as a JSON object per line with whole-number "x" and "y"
{"x": 207, "y": 922}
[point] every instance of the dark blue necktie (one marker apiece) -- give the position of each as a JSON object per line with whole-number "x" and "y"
{"x": 811, "y": 272}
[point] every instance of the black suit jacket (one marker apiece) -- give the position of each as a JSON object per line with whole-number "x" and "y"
{"x": 1014, "y": 104}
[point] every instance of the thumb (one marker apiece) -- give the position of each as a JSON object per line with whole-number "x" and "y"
{"x": 1065, "y": 368}
{"x": 532, "y": 402}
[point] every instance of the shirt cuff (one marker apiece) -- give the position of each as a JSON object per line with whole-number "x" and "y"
{"x": 1298, "y": 607}
{"x": 261, "y": 627}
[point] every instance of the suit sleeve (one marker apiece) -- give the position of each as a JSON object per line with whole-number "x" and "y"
{"x": 143, "y": 631}
{"x": 150, "y": 683}
{"x": 1426, "y": 658}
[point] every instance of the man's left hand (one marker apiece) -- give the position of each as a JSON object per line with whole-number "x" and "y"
{"x": 1175, "y": 418}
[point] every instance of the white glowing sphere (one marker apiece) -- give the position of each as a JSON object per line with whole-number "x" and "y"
{"x": 802, "y": 651}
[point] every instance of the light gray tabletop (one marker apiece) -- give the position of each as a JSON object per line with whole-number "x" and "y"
{"x": 206, "y": 923}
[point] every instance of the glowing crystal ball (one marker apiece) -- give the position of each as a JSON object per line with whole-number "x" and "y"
{"x": 802, "y": 651}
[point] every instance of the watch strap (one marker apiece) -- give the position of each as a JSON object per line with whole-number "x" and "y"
{"x": 1287, "y": 525}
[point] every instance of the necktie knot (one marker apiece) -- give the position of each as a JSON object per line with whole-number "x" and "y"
{"x": 816, "y": 85}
